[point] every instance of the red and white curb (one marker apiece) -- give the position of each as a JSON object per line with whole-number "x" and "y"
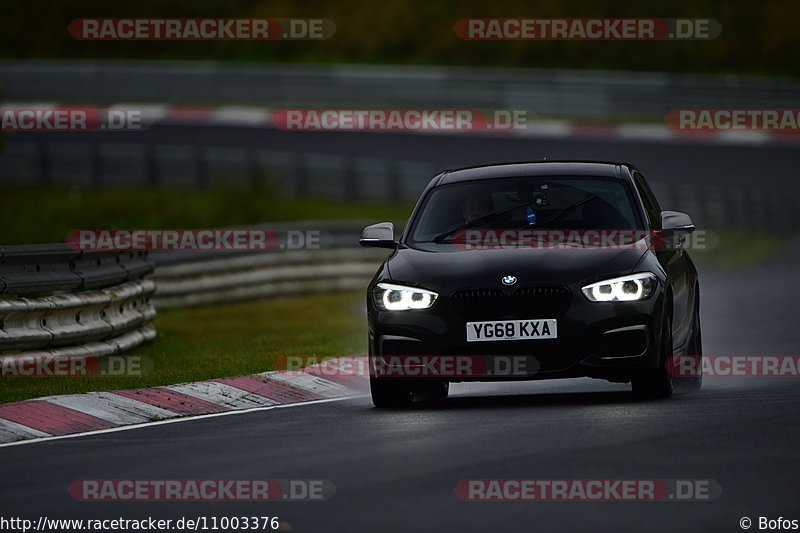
{"x": 262, "y": 117}
{"x": 55, "y": 416}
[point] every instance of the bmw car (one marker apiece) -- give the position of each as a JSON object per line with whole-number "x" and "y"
{"x": 535, "y": 270}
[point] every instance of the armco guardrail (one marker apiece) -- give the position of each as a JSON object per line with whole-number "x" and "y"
{"x": 712, "y": 198}
{"x": 102, "y": 303}
{"x": 198, "y": 156}
{"x": 57, "y": 300}
{"x": 562, "y": 92}
{"x": 185, "y": 279}
{"x": 235, "y": 277}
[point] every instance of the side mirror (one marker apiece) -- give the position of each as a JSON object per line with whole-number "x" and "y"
{"x": 378, "y": 236}
{"x": 673, "y": 222}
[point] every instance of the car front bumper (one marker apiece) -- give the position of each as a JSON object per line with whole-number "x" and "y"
{"x": 609, "y": 340}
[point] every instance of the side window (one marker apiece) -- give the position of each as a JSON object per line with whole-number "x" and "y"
{"x": 648, "y": 199}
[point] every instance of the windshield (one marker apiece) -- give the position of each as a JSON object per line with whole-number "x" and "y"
{"x": 584, "y": 203}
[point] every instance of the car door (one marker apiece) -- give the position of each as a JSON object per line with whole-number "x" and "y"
{"x": 675, "y": 262}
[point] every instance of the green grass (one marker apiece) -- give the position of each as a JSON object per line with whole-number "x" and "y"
{"x": 739, "y": 249}
{"x": 227, "y": 340}
{"x": 41, "y": 215}
{"x": 755, "y": 39}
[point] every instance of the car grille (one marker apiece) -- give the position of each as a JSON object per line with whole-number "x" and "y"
{"x": 524, "y": 302}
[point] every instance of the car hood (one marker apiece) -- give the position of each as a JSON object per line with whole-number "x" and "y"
{"x": 452, "y": 269}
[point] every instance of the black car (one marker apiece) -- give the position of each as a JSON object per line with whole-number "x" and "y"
{"x": 559, "y": 269}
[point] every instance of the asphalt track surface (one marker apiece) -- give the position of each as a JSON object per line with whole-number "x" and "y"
{"x": 396, "y": 470}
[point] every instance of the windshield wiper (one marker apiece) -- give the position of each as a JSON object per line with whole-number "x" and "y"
{"x": 477, "y": 222}
{"x": 491, "y": 216}
{"x": 561, "y": 212}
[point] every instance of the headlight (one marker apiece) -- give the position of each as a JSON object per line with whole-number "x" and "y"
{"x": 624, "y": 289}
{"x": 399, "y": 298}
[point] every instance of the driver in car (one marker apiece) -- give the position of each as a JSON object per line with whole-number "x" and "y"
{"x": 476, "y": 206}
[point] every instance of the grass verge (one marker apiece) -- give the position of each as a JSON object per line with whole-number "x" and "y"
{"x": 226, "y": 340}
{"x": 42, "y": 215}
{"x": 739, "y": 249}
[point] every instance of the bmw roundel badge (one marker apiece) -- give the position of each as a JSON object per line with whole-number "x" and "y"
{"x": 509, "y": 280}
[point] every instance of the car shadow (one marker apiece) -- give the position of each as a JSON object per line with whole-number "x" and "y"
{"x": 542, "y": 399}
{"x": 526, "y": 401}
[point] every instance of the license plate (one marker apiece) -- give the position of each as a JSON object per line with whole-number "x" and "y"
{"x": 512, "y": 330}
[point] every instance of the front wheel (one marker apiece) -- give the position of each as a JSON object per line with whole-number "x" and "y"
{"x": 657, "y": 382}
{"x": 694, "y": 351}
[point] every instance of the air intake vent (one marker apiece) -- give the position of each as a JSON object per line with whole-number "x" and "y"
{"x": 524, "y": 302}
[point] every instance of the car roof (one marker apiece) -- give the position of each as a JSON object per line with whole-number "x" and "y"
{"x": 605, "y": 169}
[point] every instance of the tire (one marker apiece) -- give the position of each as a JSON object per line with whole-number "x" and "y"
{"x": 444, "y": 391}
{"x": 657, "y": 382}
{"x": 388, "y": 393}
{"x": 694, "y": 349}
